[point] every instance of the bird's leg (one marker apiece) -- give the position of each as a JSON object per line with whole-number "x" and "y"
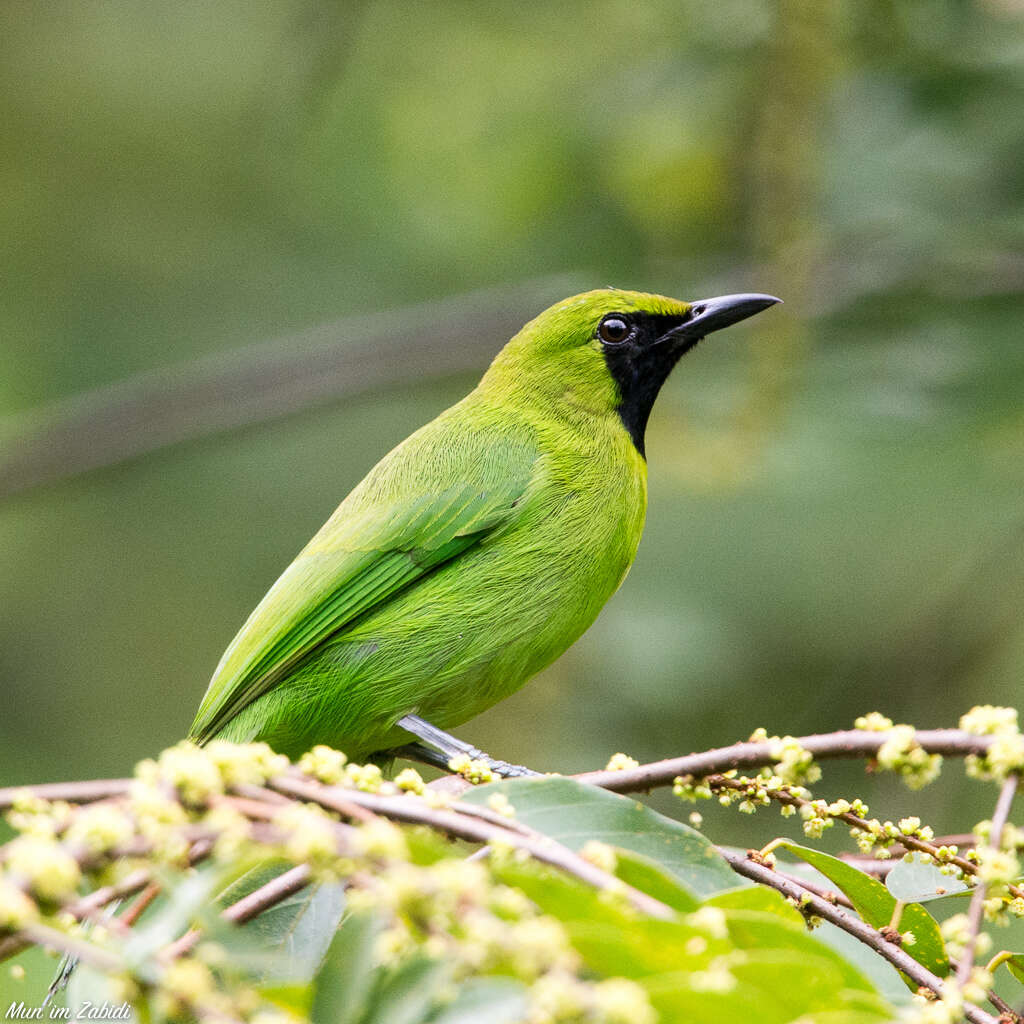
{"x": 446, "y": 746}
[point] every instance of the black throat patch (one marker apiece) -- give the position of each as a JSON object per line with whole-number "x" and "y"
{"x": 641, "y": 365}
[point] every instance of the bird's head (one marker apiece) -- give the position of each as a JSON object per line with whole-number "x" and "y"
{"x": 611, "y": 350}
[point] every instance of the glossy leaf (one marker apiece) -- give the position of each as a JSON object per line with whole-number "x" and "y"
{"x": 574, "y": 813}
{"x": 758, "y": 898}
{"x": 876, "y": 905}
{"x": 918, "y": 882}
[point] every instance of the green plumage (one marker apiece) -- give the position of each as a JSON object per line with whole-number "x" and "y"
{"x": 469, "y": 557}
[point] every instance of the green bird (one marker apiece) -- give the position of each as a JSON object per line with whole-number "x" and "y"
{"x": 477, "y": 551}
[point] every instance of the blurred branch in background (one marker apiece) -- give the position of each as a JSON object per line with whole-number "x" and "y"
{"x": 267, "y": 380}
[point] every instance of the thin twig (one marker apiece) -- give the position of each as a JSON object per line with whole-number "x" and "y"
{"x": 1004, "y": 1008}
{"x": 138, "y": 908}
{"x": 910, "y": 842}
{"x": 977, "y": 908}
{"x": 266, "y": 896}
{"x": 277, "y": 889}
{"x": 852, "y": 925}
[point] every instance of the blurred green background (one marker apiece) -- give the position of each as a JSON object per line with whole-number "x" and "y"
{"x": 250, "y": 247}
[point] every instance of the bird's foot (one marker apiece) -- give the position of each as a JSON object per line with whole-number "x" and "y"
{"x": 443, "y": 747}
{"x": 506, "y": 770}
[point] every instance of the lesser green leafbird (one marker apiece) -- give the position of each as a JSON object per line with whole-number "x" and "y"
{"x": 478, "y": 550}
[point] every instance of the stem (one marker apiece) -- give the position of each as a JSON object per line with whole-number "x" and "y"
{"x": 977, "y": 907}
{"x": 897, "y": 914}
{"x": 829, "y": 895}
{"x": 829, "y": 745}
{"x": 910, "y": 842}
{"x": 851, "y": 743}
{"x": 999, "y": 958}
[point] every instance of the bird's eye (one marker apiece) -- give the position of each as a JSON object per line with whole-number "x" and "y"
{"x": 613, "y": 329}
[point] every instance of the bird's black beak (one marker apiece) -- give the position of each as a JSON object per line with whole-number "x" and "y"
{"x": 707, "y": 315}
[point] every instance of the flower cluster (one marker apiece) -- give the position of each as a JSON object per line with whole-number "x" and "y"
{"x": 198, "y": 775}
{"x": 872, "y": 835}
{"x": 902, "y": 753}
{"x": 795, "y": 764}
{"x": 873, "y": 721}
{"x": 324, "y": 764}
{"x": 218, "y": 803}
{"x": 474, "y": 771}
{"x": 1006, "y": 752}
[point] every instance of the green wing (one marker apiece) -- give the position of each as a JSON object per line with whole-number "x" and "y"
{"x": 357, "y": 561}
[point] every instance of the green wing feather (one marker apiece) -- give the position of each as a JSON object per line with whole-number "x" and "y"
{"x": 360, "y": 558}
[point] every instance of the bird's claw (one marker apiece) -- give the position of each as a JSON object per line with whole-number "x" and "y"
{"x": 511, "y": 771}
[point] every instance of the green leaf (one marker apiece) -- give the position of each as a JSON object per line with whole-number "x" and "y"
{"x": 646, "y": 875}
{"x": 765, "y": 991}
{"x": 758, "y": 898}
{"x": 676, "y": 1000}
{"x": 918, "y": 882}
{"x": 615, "y": 940}
{"x": 756, "y": 931}
{"x": 574, "y": 813}
{"x": 876, "y": 905}
{"x": 1015, "y": 965}
{"x": 252, "y": 879}
{"x": 612, "y": 937}
{"x": 341, "y": 991}
{"x": 494, "y": 1000}
{"x": 775, "y": 972}
{"x": 295, "y": 997}
{"x": 409, "y": 994}
{"x": 288, "y": 941}
{"x": 643, "y": 947}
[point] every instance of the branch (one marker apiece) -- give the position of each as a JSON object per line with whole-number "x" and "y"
{"x": 851, "y": 925}
{"x": 73, "y": 792}
{"x": 851, "y": 743}
{"x": 265, "y": 381}
{"x": 415, "y": 811}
